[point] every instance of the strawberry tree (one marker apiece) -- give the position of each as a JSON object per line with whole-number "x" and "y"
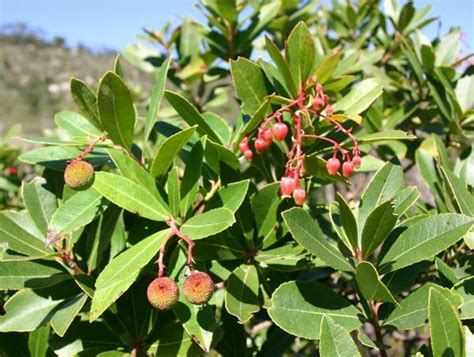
{"x": 315, "y": 199}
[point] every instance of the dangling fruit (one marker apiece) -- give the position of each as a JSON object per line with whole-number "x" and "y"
{"x": 79, "y": 174}
{"x": 243, "y": 146}
{"x": 280, "y": 131}
{"x": 163, "y": 293}
{"x": 248, "y": 154}
{"x": 299, "y": 195}
{"x": 198, "y": 288}
{"x": 287, "y": 186}
{"x": 356, "y": 161}
{"x": 268, "y": 137}
{"x": 333, "y": 165}
{"x": 347, "y": 168}
{"x": 260, "y": 145}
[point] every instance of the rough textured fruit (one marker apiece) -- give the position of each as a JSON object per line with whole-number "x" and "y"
{"x": 198, "y": 288}
{"x": 79, "y": 174}
{"x": 248, "y": 154}
{"x": 333, "y": 165}
{"x": 347, "y": 168}
{"x": 299, "y": 195}
{"x": 287, "y": 186}
{"x": 356, "y": 161}
{"x": 280, "y": 131}
{"x": 163, "y": 293}
{"x": 260, "y": 145}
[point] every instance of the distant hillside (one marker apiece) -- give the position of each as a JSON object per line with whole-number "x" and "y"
{"x": 35, "y": 73}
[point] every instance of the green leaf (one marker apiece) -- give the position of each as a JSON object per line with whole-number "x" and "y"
{"x": 348, "y": 220}
{"x": 156, "y": 96}
{"x": 18, "y": 275}
{"x": 19, "y": 239}
{"x": 227, "y": 9}
{"x": 426, "y": 238}
{"x": 241, "y": 294}
{"x": 447, "y": 50}
{"x": 253, "y": 123}
{"x": 230, "y": 196}
{"x": 282, "y": 66}
{"x": 465, "y": 288}
{"x": 168, "y": 150}
{"x": 306, "y": 232}
{"x": 66, "y": 313}
{"x": 445, "y": 327}
{"x": 192, "y": 177}
{"x": 265, "y": 203}
{"x": 378, "y": 226}
{"x": 173, "y": 342}
{"x": 77, "y": 211}
{"x": 39, "y": 202}
{"x": 405, "y": 199}
{"x": 335, "y": 341}
{"x": 190, "y": 114}
{"x": 383, "y": 186}
{"x": 465, "y": 92}
{"x": 360, "y": 98}
{"x": 458, "y": 191}
{"x": 386, "y": 135}
{"x": 116, "y": 110}
{"x": 130, "y": 196}
{"x": 122, "y": 272}
{"x": 289, "y": 257}
{"x": 299, "y": 306}
{"x": 327, "y": 67}
{"x": 86, "y": 100}
{"x": 38, "y": 341}
{"x": 249, "y": 82}
{"x": 208, "y": 223}
{"x": 26, "y": 311}
{"x": 76, "y": 125}
{"x": 216, "y": 154}
{"x": 301, "y": 53}
{"x": 412, "y": 312}
{"x": 174, "y": 194}
{"x": 370, "y": 285}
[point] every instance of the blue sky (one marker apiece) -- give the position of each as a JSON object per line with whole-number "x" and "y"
{"x": 115, "y": 23}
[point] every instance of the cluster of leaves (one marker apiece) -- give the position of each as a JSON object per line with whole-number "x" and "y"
{"x": 347, "y": 272}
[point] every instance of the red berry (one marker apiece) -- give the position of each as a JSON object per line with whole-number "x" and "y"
{"x": 347, "y": 168}
{"x": 198, "y": 288}
{"x": 287, "y": 186}
{"x": 333, "y": 165}
{"x": 243, "y": 146}
{"x": 299, "y": 195}
{"x": 356, "y": 161}
{"x": 248, "y": 154}
{"x": 280, "y": 131}
{"x": 268, "y": 137}
{"x": 260, "y": 145}
{"x": 317, "y": 103}
{"x": 11, "y": 171}
{"x": 163, "y": 293}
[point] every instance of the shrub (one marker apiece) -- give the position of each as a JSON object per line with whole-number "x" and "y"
{"x": 276, "y": 238}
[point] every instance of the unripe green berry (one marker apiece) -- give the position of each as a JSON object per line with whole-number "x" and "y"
{"x": 163, "y": 293}
{"x": 79, "y": 174}
{"x": 198, "y": 288}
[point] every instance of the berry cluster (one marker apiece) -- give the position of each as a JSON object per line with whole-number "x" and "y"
{"x": 312, "y": 102}
{"x": 163, "y": 292}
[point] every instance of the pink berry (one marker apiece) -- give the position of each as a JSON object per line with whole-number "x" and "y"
{"x": 248, "y": 154}
{"x": 280, "y": 131}
{"x": 260, "y": 145}
{"x": 329, "y": 110}
{"x": 268, "y": 137}
{"x": 356, "y": 161}
{"x": 299, "y": 195}
{"x": 347, "y": 168}
{"x": 333, "y": 165}
{"x": 243, "y": 146}
{"x": 317, "y": 103}
{"x": 287, "y": 186}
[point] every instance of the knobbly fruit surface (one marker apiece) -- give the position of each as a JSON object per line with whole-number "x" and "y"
{"x": 299, "y": 195}
{"x": 333, "y": 166}
{"x": 79, "y": 174}
{"x": 163, "y": 293}
{"x": 280, "y": 131}
{"x": 347, "y": 168}
{"x": 198, "y": 288}
{"x": 287, "y": 186}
